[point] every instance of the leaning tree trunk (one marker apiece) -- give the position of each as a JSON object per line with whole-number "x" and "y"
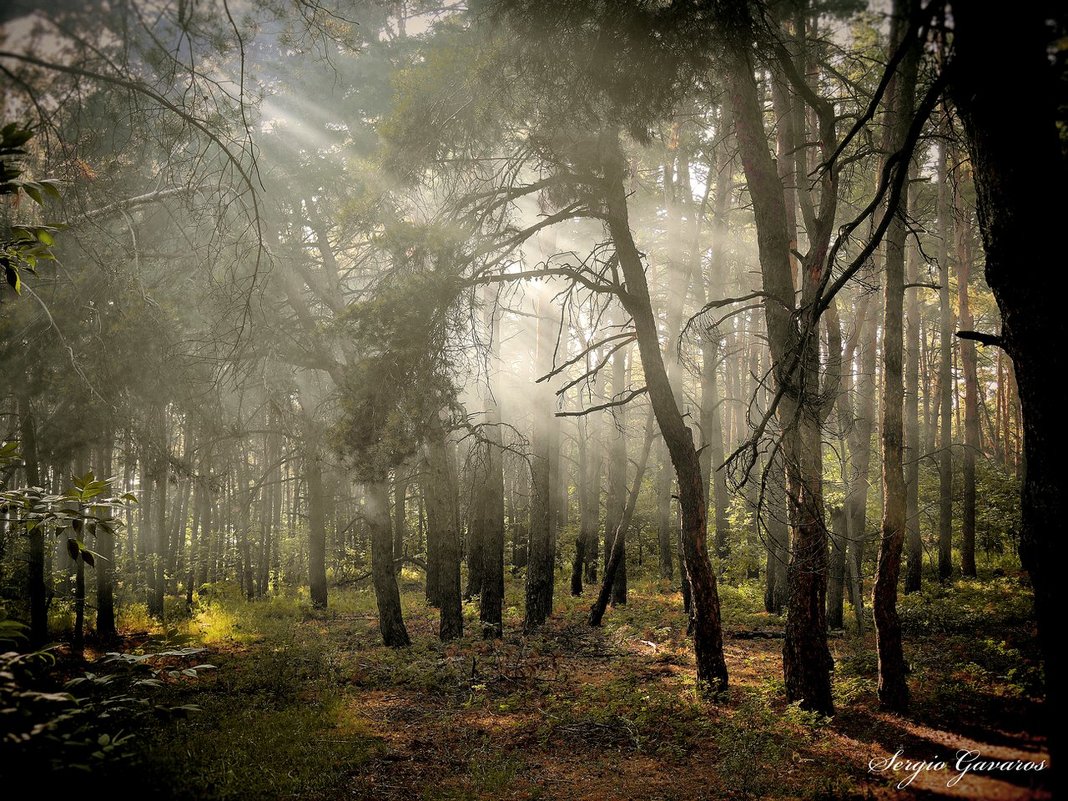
{"x": 390, "y": 619}
{"x": 1013, "y": 137}
{"x": 707, "y": 626}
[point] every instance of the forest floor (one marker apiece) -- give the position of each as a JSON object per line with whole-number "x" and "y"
{"x": 307, "y": 704}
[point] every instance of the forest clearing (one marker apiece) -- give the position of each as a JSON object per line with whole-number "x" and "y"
{"x": 600, "y": 399}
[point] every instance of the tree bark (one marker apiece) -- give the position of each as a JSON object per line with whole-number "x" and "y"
{"x": 707, "y": 627}
{"x": 893, "y": 688}
{"x": 444, "y": 531}
{"x": 400, "y": 517}
{"x": 615, "y": 552}
{"x": 105, "y": 545}
{"x": 35, "y": 573}
{"x": 616, "y": 494}
{"x": 158, "y": 538}
{"x": 969, "y": 370}
{"x": 806, "y": 658}
{"x": 390, "y": 618}
{"x": 945, "y": 377}
{"x": 491, "y": 602}
{"x": 313, "y": 474}
{"x": 541, "y": 562}
{"x": 913, "y": 542}
{"x": 1013, "y": 137}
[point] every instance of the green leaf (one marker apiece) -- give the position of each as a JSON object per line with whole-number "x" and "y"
{"x": 13, "y": 279}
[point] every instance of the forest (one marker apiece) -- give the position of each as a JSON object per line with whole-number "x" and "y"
{"x": 503, "y": 399}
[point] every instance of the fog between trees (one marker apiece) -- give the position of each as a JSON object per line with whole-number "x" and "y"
{"x": 496, "y": 302}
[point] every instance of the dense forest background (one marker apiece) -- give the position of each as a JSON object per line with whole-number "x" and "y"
{"x": 513, "y": 399}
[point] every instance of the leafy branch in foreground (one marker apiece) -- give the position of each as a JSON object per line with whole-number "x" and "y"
{"x": 22, "y": 247}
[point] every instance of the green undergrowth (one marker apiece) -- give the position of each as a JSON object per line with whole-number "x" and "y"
{"x": 290, "y": 711}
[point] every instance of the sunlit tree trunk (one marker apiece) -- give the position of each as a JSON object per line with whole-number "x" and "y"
{"x": 712, "y": 448}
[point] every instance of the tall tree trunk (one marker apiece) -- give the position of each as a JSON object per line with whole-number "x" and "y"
{"x": 665, "y": 479}
{"x": 578, "y": 563}
{"x": 313, "y": 474}
{"x": 860, "y": 459}
{"x": 476, "y": 519}
{"x": 893, "y": 688}
{"x": 615, "y": 552}
{"x": 491, "y": 602}
{"x": 35, "y": 573}
{"x": 390, "y": 619}
{"x": 434, "y": 533}
{"x": 400, "y": 517}
{"x": 712, "y": 449}
{"x": 707, "y": 626}
{"x": 616, "y": 495}
{"x": 778, "y": 540}
{"x": 158, "y": 537}
{"x": 806, "y": 659}
{"x": 945, "y": 376}
{"x": 969, "y": 369}
{"x": 105, "y": 545}
{"x": 1013, "y": 137}
{"x": 444, "y": 531}
{"x": 913, "y": 542}
{"x": 542, "y": 553}
{"x": 77, "y": 643}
